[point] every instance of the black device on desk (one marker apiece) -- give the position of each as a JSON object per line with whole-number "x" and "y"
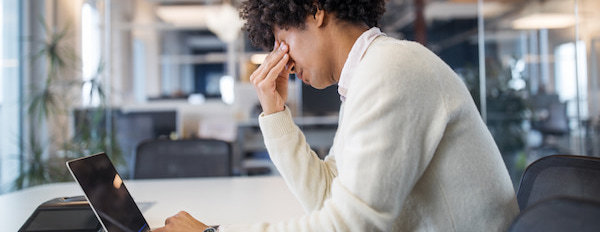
{"x": 63, "y": 214}
{"x": 107, "y": 194}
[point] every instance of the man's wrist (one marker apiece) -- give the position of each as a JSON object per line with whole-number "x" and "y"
{"x": 267, "y": 112}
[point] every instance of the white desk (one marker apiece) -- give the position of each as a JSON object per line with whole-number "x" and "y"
{"x": 235, "y": 200}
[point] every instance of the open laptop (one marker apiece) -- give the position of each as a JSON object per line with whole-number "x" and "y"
{"x": 108, "y": 197}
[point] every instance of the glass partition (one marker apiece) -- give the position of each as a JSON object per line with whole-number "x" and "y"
{"x": 541, "y": 81}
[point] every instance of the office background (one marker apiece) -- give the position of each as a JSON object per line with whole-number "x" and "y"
{"x": 84, "y": 76}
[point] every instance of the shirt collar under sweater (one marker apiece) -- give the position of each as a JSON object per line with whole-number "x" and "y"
{"x": 356, "y": 53}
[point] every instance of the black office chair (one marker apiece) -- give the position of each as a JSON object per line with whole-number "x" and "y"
{"x": 559, "y": 214}
{"x": 560, "y": 175}
{"x": 550, "y": 115}
{"x": 551, "y": 120}
{"x": 164, "y": 158}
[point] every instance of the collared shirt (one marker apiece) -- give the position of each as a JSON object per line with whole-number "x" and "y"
{"x": 356, "y": 53}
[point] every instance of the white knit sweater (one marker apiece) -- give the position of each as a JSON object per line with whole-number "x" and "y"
{"x": 411, "y": 153}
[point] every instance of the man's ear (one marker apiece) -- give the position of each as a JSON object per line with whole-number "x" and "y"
{"x": 320, "y": 18}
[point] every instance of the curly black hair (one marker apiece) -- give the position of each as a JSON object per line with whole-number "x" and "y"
{"x": 262, "y": 15}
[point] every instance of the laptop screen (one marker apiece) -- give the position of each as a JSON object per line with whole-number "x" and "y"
{"x": 107, "y": 194}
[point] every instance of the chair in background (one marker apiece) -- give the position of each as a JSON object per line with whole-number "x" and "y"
{"x": 164, "y": 158}
{"x": 550, "y": 115}
{"x": 551, "y": 120}
{"x": 560, "y": 175}
{"x": 559, "y": 214}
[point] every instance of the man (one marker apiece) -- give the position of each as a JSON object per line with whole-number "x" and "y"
{"x": 411, "y": 152}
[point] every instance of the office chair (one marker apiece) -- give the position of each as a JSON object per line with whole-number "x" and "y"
{"x": 552, "y": 115}
{"x": 559, "y": 214}
{"x": 164, "y": 158}
{"x": 560, "y": 175}
{"x": 551, "y": 120}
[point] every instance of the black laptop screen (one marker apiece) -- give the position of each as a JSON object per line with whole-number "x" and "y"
{"x": 107, "y": 194}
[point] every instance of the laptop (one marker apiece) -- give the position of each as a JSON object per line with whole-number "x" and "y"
{"x": 108, "y": 197}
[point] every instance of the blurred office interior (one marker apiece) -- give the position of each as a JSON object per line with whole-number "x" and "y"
{"x": 85, "y": 76}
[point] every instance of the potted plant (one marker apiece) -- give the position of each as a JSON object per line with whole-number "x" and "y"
{"x": 49, "y": 104}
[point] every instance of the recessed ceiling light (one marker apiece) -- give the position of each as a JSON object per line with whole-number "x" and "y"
{"x": 544, "y": 21}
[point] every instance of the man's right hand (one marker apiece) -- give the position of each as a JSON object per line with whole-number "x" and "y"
{"x": 271, "y": 79}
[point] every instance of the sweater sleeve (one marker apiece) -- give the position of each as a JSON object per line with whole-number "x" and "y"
{"x": 394, "y": 118}
{"x": 307, "y": 176}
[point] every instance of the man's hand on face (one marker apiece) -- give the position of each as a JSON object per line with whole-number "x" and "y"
{"x": 182, "y": 222}
{"x": 271, "y": 79}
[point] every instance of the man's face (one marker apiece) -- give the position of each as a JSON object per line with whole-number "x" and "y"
{"x": 309, "y": 55}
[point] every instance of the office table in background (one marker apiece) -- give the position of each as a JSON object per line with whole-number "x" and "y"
{"x": 228, "y": 200}
{"x": 319, "y": 132}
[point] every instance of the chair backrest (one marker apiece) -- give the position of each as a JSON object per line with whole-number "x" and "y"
{"x": 559, "y": 214}
{"x": 164, "y": 158}
{"x": 560, "y": 175}
{"x": 555, "y": 121}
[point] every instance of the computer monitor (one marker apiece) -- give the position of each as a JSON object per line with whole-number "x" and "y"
{"x": 160, "y": 123}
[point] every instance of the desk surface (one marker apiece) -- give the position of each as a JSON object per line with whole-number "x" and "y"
{"x": 236, "y": 200}
{"x": 330, "y": 120}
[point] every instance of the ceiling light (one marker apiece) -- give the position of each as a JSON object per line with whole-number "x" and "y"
{"x": 184, "y": 15}
{"x": 223, "y": 20}
{"x": 544, "y": 21}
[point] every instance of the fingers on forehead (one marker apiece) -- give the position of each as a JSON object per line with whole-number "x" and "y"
{"x": 274, "y": 58}
{"x": 278, "y": 68}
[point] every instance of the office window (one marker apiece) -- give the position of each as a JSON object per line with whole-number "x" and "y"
{"x": 1, "y": 87}
{"x": 1, "y": 93}
{"x": 571, "y": 77}
{"x": 1, "y": 76}
{"x": 9, "y": 92}
{"x": 90, "y": 54}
